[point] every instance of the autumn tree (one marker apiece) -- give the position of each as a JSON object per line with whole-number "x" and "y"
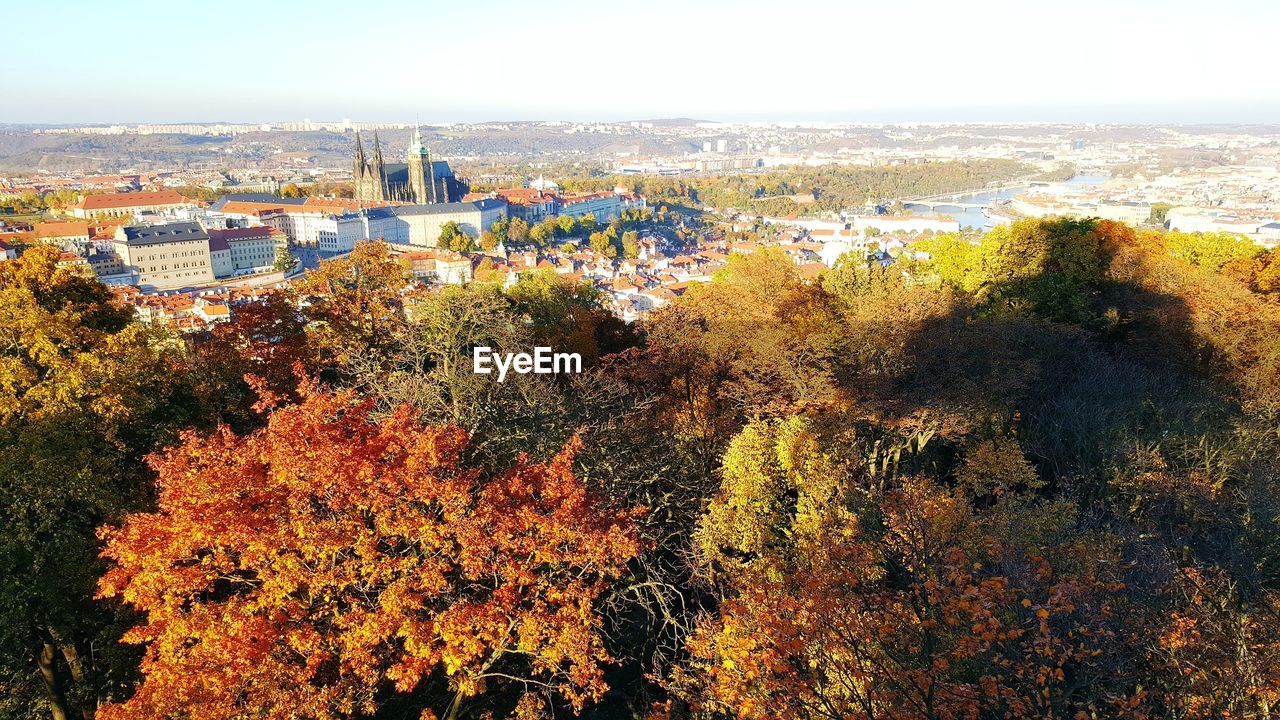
{"x": 353, "y": 303}
{"x": 630, "y": 245}
{"x": 261, "y": 350}
{"x": 453, "y": 237}
{"x": 517, "y": 231}
{"x": 844, "y": 601}
{"x": 568, "y": 316}
{"x": 331, "y": 561}
{"x": 84, "y": 393}
{"x": 568, "y": 225}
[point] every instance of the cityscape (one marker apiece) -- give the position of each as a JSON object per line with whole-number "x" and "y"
{"x": 271, "y": 218}
{"x": 704, "y": 361}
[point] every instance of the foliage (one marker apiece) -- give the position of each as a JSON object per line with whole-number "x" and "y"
{"x": 277, "y": 580}
{"x": 83, "y": 394}
{"x": 452, "y": 237}
{"x": 353, "y": 302}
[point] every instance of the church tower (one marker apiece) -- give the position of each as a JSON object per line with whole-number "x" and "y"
{"x": 369, "y": 178}
{"x": 357, "y": 170}
{"x": 421, "y": 184}
{"x": 379, "y": 170}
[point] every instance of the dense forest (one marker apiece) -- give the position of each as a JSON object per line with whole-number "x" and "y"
{"x": 833, "y": 187}
{"x": 1034, "y": 474}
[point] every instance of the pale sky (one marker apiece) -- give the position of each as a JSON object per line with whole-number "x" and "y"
{"x": 80, "y": 61}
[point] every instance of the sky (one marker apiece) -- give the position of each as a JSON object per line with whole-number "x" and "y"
{"x": 82, "y": 61}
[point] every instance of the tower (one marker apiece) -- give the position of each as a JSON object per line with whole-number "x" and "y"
{"x": 379, "y": 170}
{"x": 369, "y": 179}
{"x": 420, "y": 188}
{"x": 357, "y": 170}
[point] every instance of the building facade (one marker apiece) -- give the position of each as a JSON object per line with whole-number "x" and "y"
{"x": 248, "y": 249}
{"x": 165, "y": 256}
{"x": 604, "y": 206}
{"x": 421, "y": 225}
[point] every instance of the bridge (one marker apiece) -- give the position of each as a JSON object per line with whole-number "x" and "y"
{"x": 935, "y": 204}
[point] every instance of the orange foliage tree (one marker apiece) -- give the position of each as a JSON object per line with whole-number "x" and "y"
{"x": 330, "y": 560}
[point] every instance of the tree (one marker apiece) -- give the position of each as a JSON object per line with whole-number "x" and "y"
{"x": 353, "y": 302}
{"x": 452, "y": 237}
{"x": 845, "y": 602}
{"x": 290, "y": 190}
{"x": 568, "y": 316}
{"x": 284, "y": 258}
{"x": 488, "y": 241}
{"x": 517, "y": 231}
{"x": 631, "y": 245}
{"x": 260, "y": 351}
{"x": 277, "y": 581}
{"x": 84, "y": 394}
{"x": 541, "y": 234}
{"x": 567, "y": 225}
{"x": 602, "y": 245}
{"x": 1159, "y": 213}
{"x": 1210, "y": 250}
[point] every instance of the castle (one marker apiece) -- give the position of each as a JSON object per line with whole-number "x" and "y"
{"x": 420, "y": 181}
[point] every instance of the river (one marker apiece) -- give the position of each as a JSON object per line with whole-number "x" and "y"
{"x": 973, "y": 217}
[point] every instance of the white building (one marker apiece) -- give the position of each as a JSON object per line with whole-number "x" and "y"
{"x": 906, "y": 223}
{"x": 241, "y": 250}
{"x": 605, "y": 206}
{"x": 420, "y": 225}
{"x": 1194, "y": 219}
{"x": 165, "y": 256}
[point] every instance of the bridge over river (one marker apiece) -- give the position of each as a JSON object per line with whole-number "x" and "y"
{"x": 933, "y": 204}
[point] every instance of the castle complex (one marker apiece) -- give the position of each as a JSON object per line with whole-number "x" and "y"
{"x": 421, "y": 180}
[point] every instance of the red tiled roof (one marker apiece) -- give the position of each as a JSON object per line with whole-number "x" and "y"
{"x": 112, "y": 201}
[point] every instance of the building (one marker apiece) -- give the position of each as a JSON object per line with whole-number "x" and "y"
{"x": 246, "y": 249}
{"x": 441, "y": 267}
{"x": 529, "y": 204}
{"x": 329, "y": 224}
{"x": 165, "y": 256}
{"x": 605, "y": 206}
{"x": 128, "y": 203}
{"x": 420, "y": 225}
{"x": 906, "y": 223}
{"x": 420, "y": 180}
{"x": 106, "y": 264}
{"x": 1195, "y": 219}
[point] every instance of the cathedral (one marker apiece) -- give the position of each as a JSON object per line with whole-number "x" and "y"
{"x": 420, "y": 181}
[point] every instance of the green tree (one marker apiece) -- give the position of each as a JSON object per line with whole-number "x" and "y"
{"x": 284, "y": 258}
{"x": 567, "y": 225}
{"x": 541, "y": 234}
{"x": 453, "y": 237}
{"x": 601, "y": 244}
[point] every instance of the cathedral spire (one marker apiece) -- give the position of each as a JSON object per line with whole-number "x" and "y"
{"x": 358, "y": 168}
{"x": 379, "y": 170}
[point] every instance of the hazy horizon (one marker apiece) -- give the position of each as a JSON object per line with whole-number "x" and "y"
{"x": 1089, "y": 61}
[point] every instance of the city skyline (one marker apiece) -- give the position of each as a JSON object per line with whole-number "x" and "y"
{"x": 564, "y": 60}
